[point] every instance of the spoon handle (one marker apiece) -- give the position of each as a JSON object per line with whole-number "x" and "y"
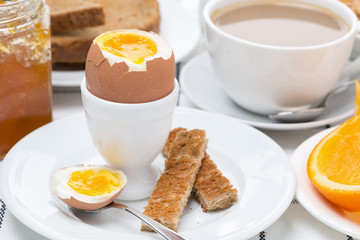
{"x": 157, "y": 227}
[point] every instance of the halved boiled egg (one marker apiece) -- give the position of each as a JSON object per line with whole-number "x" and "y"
{"x": 87, "y": 187}
{"x": 130, "y": 66}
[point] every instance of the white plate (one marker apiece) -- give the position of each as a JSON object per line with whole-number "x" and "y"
{"x": 253, "y": 162}
{"x": 311, "y": 199}
{"x": 67, "y": 78}
{"x": 179, "y": 26}
{"x": 199, "y": 82}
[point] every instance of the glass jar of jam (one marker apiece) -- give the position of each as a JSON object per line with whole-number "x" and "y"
{"x": 25, "y": 69}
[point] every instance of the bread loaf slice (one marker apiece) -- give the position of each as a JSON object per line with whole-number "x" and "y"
{"x": 174, "y": 186}
{"x": 69, "y": 15}
{"x": 212, "y": 189}
{"x": 72, "y": 46}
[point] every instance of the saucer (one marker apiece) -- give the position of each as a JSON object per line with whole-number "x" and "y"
{"x": 198, "y": 80}
{"x": 179, "y": 26}
{"x": 311, "y": 199}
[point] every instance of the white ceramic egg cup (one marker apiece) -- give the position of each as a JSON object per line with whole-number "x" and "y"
{"x": 130, "y": 136}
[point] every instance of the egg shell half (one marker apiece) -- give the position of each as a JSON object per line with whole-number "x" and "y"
{"x": 117, "y": 84}
{"x": 73, "y": 202}
{"x": 79, "y": 204}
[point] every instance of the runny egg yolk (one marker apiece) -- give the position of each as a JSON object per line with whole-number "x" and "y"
{"x": 95, "y": 182}
{"x": 132, "y": 46}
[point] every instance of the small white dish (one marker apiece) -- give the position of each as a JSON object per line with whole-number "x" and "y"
{"x": 179, "y": 26}
{"x": 198, "y": 80}
{"x": 311, "y": 199}
{"x": 252, "y": 161}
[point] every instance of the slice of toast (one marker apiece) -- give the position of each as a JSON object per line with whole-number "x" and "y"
{"x": 73, "y": 46}
{"x": 174, "y": 187}
{"x": 211, "y": 188}
{"x": 69, "y": 15}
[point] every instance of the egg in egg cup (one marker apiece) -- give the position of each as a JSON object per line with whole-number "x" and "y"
{"x": 129, "y": 94}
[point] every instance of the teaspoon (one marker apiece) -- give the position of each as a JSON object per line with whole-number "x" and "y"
{"x": 157, "y": 227}
{"x": 310, "y": 113}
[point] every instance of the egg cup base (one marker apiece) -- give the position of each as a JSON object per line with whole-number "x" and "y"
{"x": 140, "y": 187}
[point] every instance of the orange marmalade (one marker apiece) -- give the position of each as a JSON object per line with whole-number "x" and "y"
{"x": 25, "y": 70}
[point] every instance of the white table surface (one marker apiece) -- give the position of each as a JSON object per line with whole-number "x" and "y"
{"x": 296, "y": 223}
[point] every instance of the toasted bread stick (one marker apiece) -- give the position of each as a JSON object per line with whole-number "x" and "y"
{"x": 170, "y": 141}
{"x": 174, "y": 187}
{"x": 211, "y": 188}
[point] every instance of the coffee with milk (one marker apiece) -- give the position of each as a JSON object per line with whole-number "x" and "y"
{"x": 280, "y": 23}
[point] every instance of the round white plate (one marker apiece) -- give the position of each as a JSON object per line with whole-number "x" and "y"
{"x": 67, "y": 78}
{"x": 311, "y": 199}
{"x": 179, "y": 26}
{"x": 253, "y": 162}
{"x": 199, "y": 82}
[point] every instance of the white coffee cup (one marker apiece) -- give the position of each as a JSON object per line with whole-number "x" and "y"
{"x": 267, "y": 79}
{"x": 130, "y": 136}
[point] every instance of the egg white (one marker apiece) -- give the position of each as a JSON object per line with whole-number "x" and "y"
{"x": 163, "y": 50}
{"x": 60, "y": 187}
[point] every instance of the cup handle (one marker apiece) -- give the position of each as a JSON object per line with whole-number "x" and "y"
{"x": 352, "y": 69}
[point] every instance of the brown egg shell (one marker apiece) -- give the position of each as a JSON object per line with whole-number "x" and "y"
{"x": 115, "y": 83}
{"x": 73, "y": 202}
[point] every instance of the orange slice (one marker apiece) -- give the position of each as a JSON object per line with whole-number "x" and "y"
{"x": 334, "y": 164}
{"x": 357, "y": 99}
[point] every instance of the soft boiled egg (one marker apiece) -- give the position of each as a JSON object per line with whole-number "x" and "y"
{"x": 87, "y": 187}
{"x": 130, "y": 66}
